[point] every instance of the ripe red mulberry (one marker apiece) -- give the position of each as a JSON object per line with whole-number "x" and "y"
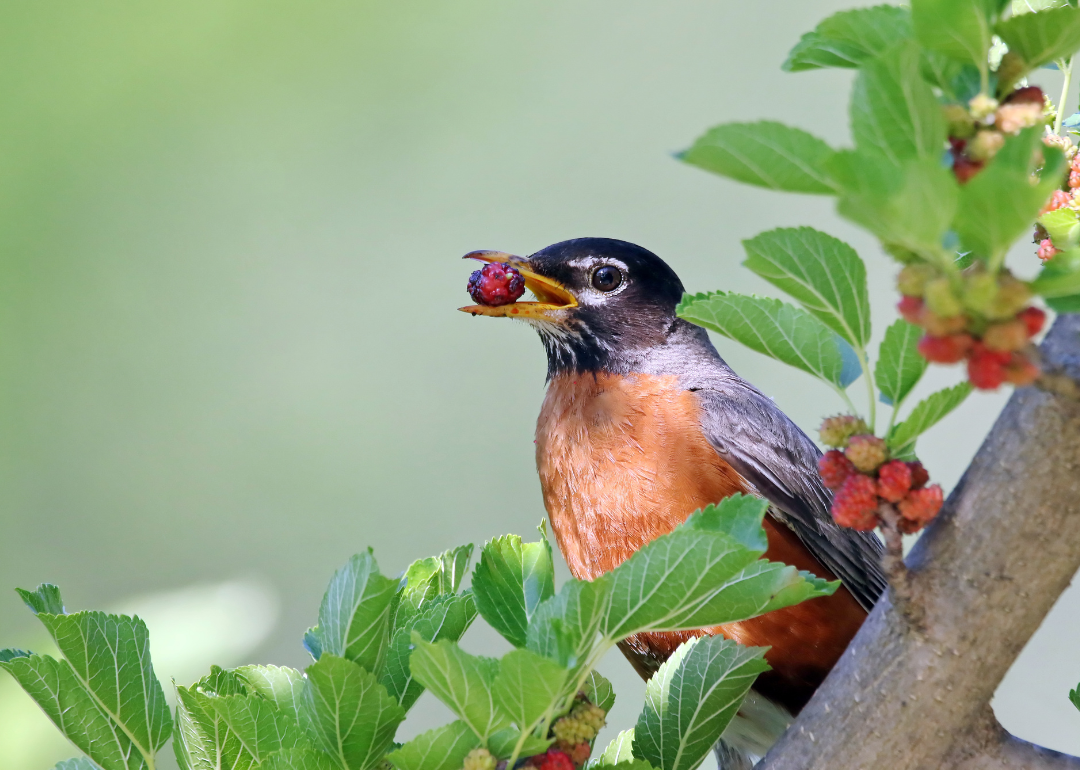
{"x": 922, "y": 505}
{"x": 496, "y": 284}
{"x": 894, "y": 481}
{"x": 835, "y": 468}
{"x": 855, "y": 504}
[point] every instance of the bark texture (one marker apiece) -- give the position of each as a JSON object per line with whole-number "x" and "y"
{"x": 986, "y": 573}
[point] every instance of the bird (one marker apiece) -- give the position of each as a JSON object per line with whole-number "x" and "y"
{"x": 642, "y": 423}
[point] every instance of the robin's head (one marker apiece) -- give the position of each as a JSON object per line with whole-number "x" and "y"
{"x": 601, "y": 303}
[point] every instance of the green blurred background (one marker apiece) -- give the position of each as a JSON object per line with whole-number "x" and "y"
{"x": 230, "y": 237}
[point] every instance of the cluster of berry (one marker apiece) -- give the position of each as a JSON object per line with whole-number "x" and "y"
{"x": 977, "y": 316}
{"x": 574, "y": 734}
{"x": 977, "y": 130}
{"x": 1058, "y": 226}
{"x": 858, "y": 468}
{"x": 496, "y": 283}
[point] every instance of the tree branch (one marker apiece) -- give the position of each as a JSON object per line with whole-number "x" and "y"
{"x": 986, "y": 573}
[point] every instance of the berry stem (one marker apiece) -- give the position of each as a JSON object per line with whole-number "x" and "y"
{"x": 847, "y": 399}
{"x": 892, "y": 561}
{"x": 1065, "y": 65}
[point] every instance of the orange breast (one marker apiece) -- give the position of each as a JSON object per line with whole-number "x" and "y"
{"x": 622, "y": 460}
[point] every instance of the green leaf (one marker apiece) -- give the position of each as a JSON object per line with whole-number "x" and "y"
{"x": 695, "y": 577}
{"x": 702, "y": 574}
{"x": 899, "y": 365}
{"x": 259, "y": 726}
{"x": 894, "y": 114}
{"x": 766, "y": 154}
{"x": 502, "y": 744}
{"x": 351, "y": 715}
{"x": 298, "y": 759}
{"x": 11, "y": 653}
{"x": 510, "y": 582}
{"x": 443, "y": 748}
{"x": 1063, "y": 226}
{"x": 1059, "y": 278}
{"x": 462, "y": 681}
{"x": 1074, "y": 696}
{"x": 739, "y": 517}
{"x": 925, "y": 415}
{"x": 599, "y": 691}
{"x": 910, "y": 206}
{"x": 775, "y": 328}
{"x": 354, "y": 619}
{"x": 281, "y": 685}
{"x": 442, "y": 618}
{"x": 566, "y": 626}
{"x": 822, "y": 273}
{"x": 221, "y": 681}
{"x": 1040, "y": 38}
{"x": 692, "y": 697}
{"x": 849, "y": 38}
{"x": 1034, "y": 6}
{"x": 78, "y": 763}
{"x": 527, "y": 686}
{"x": 55, "y": 687}
{"x": 202, "y": 740}
{"x": 962, "y": 29}
{"x": 105, "y": 693}
{"x": 435, "y": 576}
{"x": 1000, "y": 203}
{"x": 45, "y": 599}
{"x": 110, "y": 656}
{"x": 620, "y": 753}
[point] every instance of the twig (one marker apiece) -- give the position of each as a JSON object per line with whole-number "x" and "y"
{"x": 901, "y": 590}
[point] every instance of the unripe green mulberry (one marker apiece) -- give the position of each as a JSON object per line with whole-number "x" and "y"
{"x": 1012, "y": 296}
{"x": 961, "y": 124}
{"x": 979, "y": 291}
{"x": 479, "y": 759}
{"x": 913, "y": 279}
{"x": 579, "y": 726}
{"x": 835, "y": 431}
{"x": 941, "y": 300}
{"x": 866, "y": 452}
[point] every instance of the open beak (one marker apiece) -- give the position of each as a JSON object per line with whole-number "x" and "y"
{"x": 552, "y": 298}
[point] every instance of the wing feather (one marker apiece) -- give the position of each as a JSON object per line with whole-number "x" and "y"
{"x": 764, "y": 446}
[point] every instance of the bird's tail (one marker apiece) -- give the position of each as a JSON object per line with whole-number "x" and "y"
{"x": 758, "y": 724}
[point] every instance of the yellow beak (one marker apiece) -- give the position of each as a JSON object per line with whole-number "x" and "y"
{"x": 552, "y": 297}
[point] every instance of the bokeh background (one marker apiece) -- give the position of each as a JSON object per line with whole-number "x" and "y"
{"x": 229, "y": 240}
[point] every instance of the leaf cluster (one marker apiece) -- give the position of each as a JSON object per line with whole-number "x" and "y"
{"x": 707, "y": 572}
{"x": 827, "y": 333}
{"x": 380, "y": 642}
{"x": 911, "y": 63}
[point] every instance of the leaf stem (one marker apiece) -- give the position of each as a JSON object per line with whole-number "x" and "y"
{"x": 871, "y": 389}
{"x": 1065, "y": 65}
{"x": 892, "y": 417}
{"x": 517, "y": 749}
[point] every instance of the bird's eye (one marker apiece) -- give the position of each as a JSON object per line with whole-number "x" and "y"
{"x": 606, "y": 278}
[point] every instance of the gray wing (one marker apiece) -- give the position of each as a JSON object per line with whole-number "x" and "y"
{"x": 768, "y": 450}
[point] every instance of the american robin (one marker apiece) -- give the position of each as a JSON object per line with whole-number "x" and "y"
{"x": 642, "y": 424}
